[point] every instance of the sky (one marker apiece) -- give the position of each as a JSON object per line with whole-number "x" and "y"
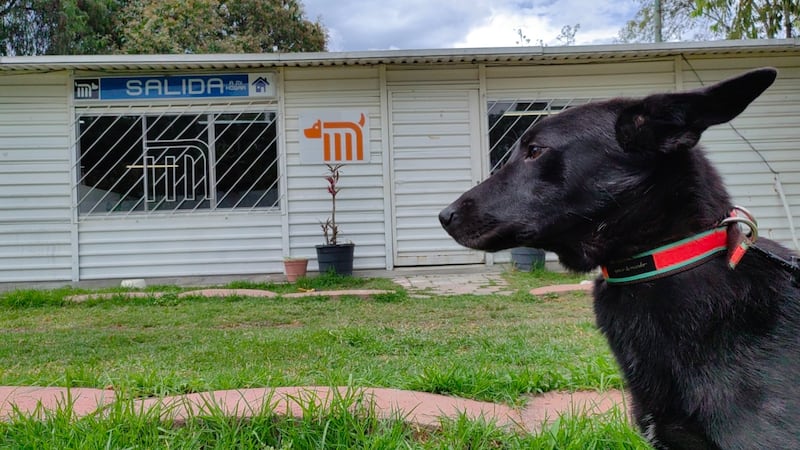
{"x": 355, "y": 25}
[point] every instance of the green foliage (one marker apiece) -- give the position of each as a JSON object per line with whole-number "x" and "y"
{"x": 751, "y": 19}
{"x": 268, "y": 26}
{"x": 678, "y": 21}
{"x": 714, "y": 19}
{"x": 35, "y": 27}
{"x": 218, "y": 26}
{"x": 27, "y": 298}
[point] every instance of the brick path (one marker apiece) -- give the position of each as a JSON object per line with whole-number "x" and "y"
{"x": 419, "y": 408}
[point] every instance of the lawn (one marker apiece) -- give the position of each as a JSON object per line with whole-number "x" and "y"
{"x": 494, "y": 348}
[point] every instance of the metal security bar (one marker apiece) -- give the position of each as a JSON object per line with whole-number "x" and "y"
{"x": 168, "y": 159}
{"x": 509, "y": 119}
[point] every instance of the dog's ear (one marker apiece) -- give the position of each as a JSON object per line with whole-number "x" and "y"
{"x": 669, "y": 122}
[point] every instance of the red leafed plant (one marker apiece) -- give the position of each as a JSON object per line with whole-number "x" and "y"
{"x": 329, "y": 228}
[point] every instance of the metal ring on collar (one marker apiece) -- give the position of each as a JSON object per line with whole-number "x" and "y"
{"x": 753, "y": 235}
{"x": 746, "y": 212}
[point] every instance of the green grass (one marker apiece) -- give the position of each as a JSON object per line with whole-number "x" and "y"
{"x": 494, "y": 347}
{"x": 349, "y": 421}
{"x": 537, "y": 278}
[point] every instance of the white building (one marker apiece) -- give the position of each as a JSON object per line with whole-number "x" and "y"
{"x": 191, "y": 165}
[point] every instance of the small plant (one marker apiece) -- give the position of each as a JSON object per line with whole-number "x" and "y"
{"x": 330, "y": 229}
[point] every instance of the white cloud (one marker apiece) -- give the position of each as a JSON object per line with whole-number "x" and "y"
{"x": 418, "y": 24}
{"x": 501, "y": 31}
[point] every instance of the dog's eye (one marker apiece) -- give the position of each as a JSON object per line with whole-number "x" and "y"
{"x": 534, "y": 151}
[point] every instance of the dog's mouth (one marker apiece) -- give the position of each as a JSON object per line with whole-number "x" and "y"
{"x": 488, "y": 236}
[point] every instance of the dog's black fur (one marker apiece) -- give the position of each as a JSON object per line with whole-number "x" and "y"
{"x": 711, "y": 355}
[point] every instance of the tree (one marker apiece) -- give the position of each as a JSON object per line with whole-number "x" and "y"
{"x": 568, "y": 32}
{"x": 678, "y": 23}
{"x": 715, "y": 19}
{"x": 34, "y": 27}
{"x": 752, "y": 19}
{"x": 189, "y": 26}
{"x": 274, "y": 25}
{"x": 566, "y": 37}
{"x": 212, "y": 26}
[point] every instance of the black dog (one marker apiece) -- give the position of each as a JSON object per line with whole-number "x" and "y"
{"x": 706, "y": 333}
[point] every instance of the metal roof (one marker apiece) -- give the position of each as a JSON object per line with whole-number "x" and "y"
{"x": 504, "y": 55}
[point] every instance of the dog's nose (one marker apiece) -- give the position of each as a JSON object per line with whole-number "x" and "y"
{"x": 446, "y": 215}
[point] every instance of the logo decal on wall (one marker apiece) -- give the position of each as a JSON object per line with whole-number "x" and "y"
{"x": 328, "y": 137}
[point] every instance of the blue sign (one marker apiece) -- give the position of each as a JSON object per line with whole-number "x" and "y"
{"x": 176, "y": 87}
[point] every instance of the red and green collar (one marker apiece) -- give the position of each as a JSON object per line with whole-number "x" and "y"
{"x": 679, "y": 256}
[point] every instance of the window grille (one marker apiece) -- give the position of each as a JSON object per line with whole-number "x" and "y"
{"x": 509, "y": 119}
{"x": 150, "y": 161}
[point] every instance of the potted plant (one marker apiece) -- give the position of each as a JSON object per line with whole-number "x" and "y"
{"x": 334, "y": 256}
{"x": 295, "y": 268}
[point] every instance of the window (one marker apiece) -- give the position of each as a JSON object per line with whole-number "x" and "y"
{"x": 508, "y": 120}
{"x": 176, "y": 162}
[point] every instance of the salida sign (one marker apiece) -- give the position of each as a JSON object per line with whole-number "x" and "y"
{"x": 176, "y": 87}
{"x": 334, "y": 136}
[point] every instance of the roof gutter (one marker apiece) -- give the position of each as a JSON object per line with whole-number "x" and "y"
{"x": 536, "y": 54}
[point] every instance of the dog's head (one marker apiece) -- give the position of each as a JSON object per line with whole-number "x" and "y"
{"x": 579, "y": 180}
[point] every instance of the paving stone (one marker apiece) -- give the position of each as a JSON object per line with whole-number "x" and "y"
{"x": 559, "y": 288}
{"x": 229, "y": 293}
{"x": 354, "y": 292}
{"x": 420, "y": 408}
{"x": 455, "y": 284}
{"x": 111, "y": 295}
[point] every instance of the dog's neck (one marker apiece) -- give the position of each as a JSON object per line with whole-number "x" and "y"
{"x": 693, "y": 203}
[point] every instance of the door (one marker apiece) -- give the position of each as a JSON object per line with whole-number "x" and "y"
{"x": 436, "y": 156}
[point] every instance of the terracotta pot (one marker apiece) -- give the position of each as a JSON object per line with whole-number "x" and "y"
{"x": 295, "y": 268}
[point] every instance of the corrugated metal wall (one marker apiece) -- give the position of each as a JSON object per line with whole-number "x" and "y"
{"x": 772, "y": 126}
{"x": 35, "y": 215}
{"x": 592, "y": 81}
{"x": 36, "y": 220}
{"x": 360, "y": 204}
{"x": 181, "y": 245}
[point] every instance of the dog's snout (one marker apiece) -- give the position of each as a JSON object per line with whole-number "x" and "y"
{"x": 446, "y": 215}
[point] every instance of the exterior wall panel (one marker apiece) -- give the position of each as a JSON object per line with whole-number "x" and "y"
{"x": 247, "y": 243}
{"x": 35, "y": 213}
{"x": 360, "y": 204}
{"x": 770, "y": 125}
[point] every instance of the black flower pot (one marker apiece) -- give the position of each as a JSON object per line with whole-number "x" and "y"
{"x": 336, "y": 258}
{"x": 527, "y": 258}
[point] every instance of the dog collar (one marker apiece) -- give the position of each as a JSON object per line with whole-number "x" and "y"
{"x": 671, "y": 258}
{"x": 687, "y": 253}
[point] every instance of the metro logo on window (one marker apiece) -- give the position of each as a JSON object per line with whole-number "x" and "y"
{"x": 334, "y": 136}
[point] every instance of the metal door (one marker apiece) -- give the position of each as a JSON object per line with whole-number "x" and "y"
{"x": 436, "y": 156}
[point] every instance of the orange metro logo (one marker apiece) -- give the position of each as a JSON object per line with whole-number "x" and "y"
{"x": 342, "y": 141}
